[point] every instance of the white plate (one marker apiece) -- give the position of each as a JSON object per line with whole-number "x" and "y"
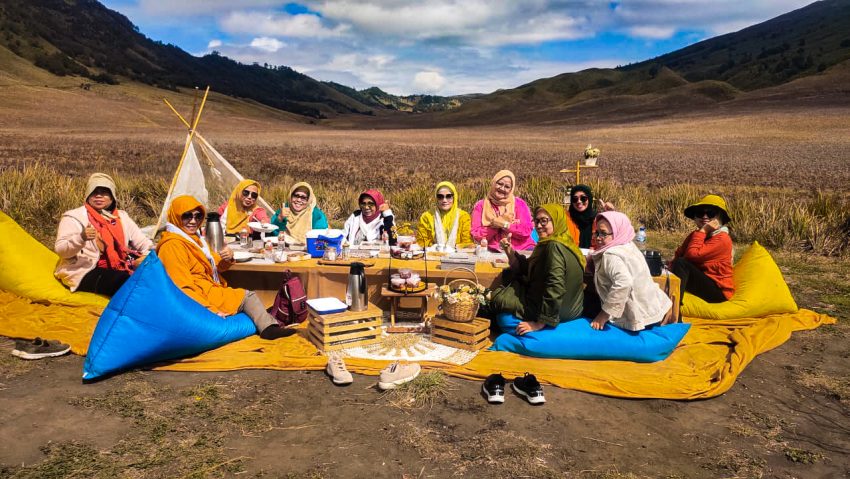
{"x": 262, "y": 227}
{"x": 242, "y": 256}
{"x": 297, "y": 247}
{"x": 327, "y": 305}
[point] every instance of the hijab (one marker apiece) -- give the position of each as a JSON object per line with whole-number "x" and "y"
{"x": 236, "y": 216}
{"x": 378, "y": 198}
{"x": 446, "y": 222}
{"x": 559, "y": 234}
{"x": 493, "y": 207}
{"x": 621, "y": 228}
{"x": 108, "y": 225}
{"x": 300, "y": 223}
{"x": 583, "y": 220}
{"x": 174, "y": 231}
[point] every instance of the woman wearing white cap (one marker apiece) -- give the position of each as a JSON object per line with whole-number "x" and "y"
{"x": 98, "y": 243}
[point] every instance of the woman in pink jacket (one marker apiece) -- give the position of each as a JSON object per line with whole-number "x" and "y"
{"x": 97, "y": 242}
{"x": 502, "y": 215}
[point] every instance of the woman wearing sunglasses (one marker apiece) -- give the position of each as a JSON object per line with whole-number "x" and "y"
{"x": 447, "y": 226}
{"x": 372, "y": 221}
{"x": 242, "y": 207}
{"x": 704, "y": 260}
{"x": 300, "y": 214}
{"x": 501, "y": 214}
{"x": 582, "y": 214}
{"x": 97, "y": 243}
{"x": 195, "y": 268}
{"x": 545, "y": 288}
{"x": 628, "y": 296}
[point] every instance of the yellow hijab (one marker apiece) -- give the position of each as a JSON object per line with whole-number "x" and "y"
{"x": 447, "y": 218}
{"x": 237, "y": 217}
{"x": 507, "y": 205}
{"x": 300, "y": 223}
{"x": 561, "y": 232}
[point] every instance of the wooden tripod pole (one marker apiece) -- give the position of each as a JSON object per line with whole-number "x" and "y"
{"x": 183, "y": 156}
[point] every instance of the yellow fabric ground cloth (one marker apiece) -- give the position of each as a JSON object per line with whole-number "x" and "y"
{"x": 705, "y": 364}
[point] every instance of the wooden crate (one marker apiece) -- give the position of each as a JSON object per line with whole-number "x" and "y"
{"x": 471, "y": 336}
{"x": 331, "y": 332}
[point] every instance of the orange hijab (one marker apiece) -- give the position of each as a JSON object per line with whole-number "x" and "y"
{"x": 180, "y": 205}
{"x": 238, "y": 217}
{"x": 493, "y": 208}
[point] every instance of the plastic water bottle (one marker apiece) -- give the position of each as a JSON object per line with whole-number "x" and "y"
{"x": 640, "y": 238}
{"x": 243, "y": 238}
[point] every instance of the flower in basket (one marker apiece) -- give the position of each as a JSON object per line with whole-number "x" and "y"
{"x": 465, "y": 293}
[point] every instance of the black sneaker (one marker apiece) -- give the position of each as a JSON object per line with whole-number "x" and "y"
{"x": 39, "y": 348}
{"x": 528, "y": 387}
{"x": 494, "y": 389}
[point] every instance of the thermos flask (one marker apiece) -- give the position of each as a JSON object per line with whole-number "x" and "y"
{"x": 356, "y": 294}
{"x": 214, "y": 233}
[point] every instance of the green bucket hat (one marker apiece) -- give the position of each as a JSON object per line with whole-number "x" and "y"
{"x": 708, "y": 200}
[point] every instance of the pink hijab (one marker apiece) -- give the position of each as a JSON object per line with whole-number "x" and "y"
{"x": 621, "y": 227}
{"x": 378, "y": 198}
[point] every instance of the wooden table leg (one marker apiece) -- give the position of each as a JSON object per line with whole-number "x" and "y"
{"x": 393, "y": 305}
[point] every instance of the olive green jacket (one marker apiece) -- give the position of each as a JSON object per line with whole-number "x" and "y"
{"x": 550, "y": 292}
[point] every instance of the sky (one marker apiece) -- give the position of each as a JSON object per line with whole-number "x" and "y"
{"x": 442, "y": 47}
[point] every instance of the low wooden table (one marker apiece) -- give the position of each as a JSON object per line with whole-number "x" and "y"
{"x": 395, "y": 297}
{"x": 675, "y": 285}
{"x": 330, "y": 332}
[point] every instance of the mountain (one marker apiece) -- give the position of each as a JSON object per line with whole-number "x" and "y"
{"x": 82, "y": 37}
{"x": 376, "y": 97}
{"x": 810, "y": 41}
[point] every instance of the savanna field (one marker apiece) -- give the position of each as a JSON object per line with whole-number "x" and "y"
{"x": 784, "y": 175}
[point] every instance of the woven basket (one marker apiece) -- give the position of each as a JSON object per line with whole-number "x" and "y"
{"x": 462, "y": 311}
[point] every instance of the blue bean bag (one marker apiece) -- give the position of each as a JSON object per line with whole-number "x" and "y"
{"x": 577, "y": 340}
{"x": 149, "y": 320}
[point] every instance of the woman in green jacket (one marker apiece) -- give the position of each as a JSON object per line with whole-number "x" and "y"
{"x": 546, "y": 288}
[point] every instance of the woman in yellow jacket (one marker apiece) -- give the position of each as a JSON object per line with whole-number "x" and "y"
{"x": 448, "y": 225}
{"x": 194, "y": 268}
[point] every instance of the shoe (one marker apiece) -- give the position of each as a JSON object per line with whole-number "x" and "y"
{"x": 494, "y": 388}
{"x": 39, "y": 348}
{"x": 528, "y": 387}
{"x": 276, "y": 331}
{"x": 397, "y": 374}
{"x": 337, "y": 371}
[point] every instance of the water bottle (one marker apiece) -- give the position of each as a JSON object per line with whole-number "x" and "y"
{"x": 640, "y": 238}
{"x": 243, "y": 238}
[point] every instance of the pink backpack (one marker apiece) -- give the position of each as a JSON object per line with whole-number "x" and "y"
{"x": 290, "y": 304}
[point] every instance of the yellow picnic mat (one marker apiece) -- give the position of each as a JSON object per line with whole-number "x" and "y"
{"x": 705, "y": 364}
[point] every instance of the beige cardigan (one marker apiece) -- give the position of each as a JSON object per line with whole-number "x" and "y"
{"x": 77, "y": 256}
{"x": 627, "y": 290}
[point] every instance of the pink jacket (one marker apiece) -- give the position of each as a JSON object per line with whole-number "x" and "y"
{"x": 520, "y": 230}
{"x": 78, "y": 257}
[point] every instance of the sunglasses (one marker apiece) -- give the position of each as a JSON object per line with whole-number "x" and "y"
{"x": 192, "y": 215}
{"x": 580, "y": 199}
{"x": 706, "y": 213}
{"x": 302, "y": 197}
{"x": 446, "y": 196}
{"x": 541, "y": 221}
{"x": 367, "y": 204}
{"x": 252, "y": 194}
{"x": 602, "y": 234}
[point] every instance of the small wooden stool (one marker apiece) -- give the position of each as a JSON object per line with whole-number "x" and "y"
{"x": 330, "y": 332}
{"x": 471, "y": 336}
{"x": 394, "y": 298}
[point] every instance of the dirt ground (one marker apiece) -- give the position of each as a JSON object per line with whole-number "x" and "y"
{"x": 785, "y": 417}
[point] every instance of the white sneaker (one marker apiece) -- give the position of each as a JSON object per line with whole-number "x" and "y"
{"x": 397, "y": 374}
{"x": 337, "y": 371}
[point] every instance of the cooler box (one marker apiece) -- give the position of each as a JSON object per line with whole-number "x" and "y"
{"x": 318, "y": 240}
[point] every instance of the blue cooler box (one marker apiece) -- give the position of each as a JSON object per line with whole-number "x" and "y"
{"x": 319, "y": 240}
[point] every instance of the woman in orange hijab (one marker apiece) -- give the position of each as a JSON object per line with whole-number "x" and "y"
{"x": 242, "y": 208}
{"x": 195, "y": 268}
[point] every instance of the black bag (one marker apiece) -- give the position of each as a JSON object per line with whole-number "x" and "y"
{"x": 654, "y": 261}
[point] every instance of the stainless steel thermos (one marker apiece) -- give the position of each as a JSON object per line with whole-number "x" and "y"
{"x": 356, "y": 295}
{"x": 214, "y": 233}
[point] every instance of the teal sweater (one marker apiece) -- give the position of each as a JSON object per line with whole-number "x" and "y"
{"x": 320, "y": 221}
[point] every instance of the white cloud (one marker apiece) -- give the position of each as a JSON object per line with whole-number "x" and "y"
{"x": 214, "y": 44}
{"x": 273, "y": 24}
{"x": 267, "y": 44}
{"x": 658, "y": 33}
{"x": 429, "y": 82}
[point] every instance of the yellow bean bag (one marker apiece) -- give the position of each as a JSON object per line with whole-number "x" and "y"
{"x": 26, "y": 269}
{"x": 760, "y": 290}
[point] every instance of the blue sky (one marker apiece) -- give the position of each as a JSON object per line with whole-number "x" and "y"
{"x": 443, "y": 47}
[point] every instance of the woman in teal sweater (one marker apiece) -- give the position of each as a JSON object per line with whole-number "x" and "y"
{"x": 300, "y": 214}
